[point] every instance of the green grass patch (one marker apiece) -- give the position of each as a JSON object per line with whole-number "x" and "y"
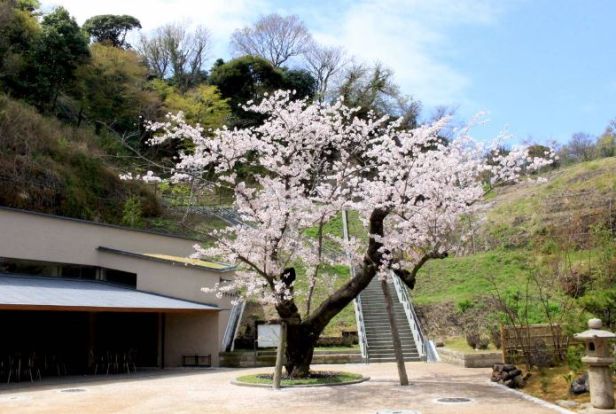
{"x": 315, "y": 378}
{"x": 465, "y": 278}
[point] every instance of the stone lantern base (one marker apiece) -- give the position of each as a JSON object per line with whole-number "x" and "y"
{"x": 593, "y": 410}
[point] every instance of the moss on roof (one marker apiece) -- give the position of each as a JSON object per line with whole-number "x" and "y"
{"x": 188, "y": 260}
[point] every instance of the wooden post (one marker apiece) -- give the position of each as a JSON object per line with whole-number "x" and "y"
{"x": 404, "y": 380}
{"x": 282, "y": 341}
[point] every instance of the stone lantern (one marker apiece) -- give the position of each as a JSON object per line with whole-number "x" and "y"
{"x": 598, "y": 358}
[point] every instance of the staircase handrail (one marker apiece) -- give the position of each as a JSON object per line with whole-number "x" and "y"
{"x": 411, "y": 316}
{"x": 361, "y": 329}
{"x": 233, "y": 325}
{"x": 359, "y": 316}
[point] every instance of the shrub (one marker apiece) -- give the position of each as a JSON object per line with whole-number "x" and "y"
{"x": 483, "y": 343}
{"x": 465, "y": 305}
{"x": 495, "y": 336}
{"x": 472, "y": 339}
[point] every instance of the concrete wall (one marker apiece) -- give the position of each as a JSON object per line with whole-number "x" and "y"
{"x": 190, "y": 334}
{"x": 246, "y": 359}
{"x": 34, "y": 236}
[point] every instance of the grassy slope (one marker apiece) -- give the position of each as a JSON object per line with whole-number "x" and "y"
{"x": 516, "y": 219}
{"x": 459, "y": 279}
{"x": 521, "y": 212}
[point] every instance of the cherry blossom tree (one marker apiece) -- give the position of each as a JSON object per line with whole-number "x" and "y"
{"x": 410, "y": 187}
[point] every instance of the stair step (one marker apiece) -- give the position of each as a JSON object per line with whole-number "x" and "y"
{"x": 377, "y": 360}
{"x": 392, "y": 356}
{"x": 372, "y": 352}
{"x": 377, "y": 328}
{"x": 375, "y": 342}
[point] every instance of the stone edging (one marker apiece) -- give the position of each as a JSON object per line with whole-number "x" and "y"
{"x": 535, "y": 400}
{"x": 334, "y": 384}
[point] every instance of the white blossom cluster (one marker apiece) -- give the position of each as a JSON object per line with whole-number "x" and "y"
{"x": 148, "y": 177}
{"x": 309, "y": 162}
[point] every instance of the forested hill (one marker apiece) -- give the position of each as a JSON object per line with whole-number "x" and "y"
{"x": 74, "y": 101}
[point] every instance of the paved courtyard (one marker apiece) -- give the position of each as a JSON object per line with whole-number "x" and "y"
{"x": 210, "y": 391}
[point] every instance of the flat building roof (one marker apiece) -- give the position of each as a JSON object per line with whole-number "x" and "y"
{"x": 54, "y": 293}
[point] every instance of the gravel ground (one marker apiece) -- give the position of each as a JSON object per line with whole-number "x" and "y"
{"x": 210, "y": 391}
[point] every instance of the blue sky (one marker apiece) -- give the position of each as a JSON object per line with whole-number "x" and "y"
{"x": 539, "y": 68}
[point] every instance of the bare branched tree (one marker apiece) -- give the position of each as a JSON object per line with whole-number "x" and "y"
{"x": 274, "y": 38}
{"x": 581, "y": 147}
{"x": 173, "y": 52}
{"x": 372, "y": 89}
{"x": 324, "y": 63}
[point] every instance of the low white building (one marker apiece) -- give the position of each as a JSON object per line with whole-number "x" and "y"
{"x": 79, "y": 291}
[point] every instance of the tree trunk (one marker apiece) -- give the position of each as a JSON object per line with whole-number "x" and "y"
{"x": 301, "y": 340}
{"x": 395, "y": 334}
{"x": 302, "y": 335}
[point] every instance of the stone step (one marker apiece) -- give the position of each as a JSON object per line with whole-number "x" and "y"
{"x": 385, "y": 319}
{"x": 388, "y": 339}
{"x": 381, "y": 310}
{"x": 392, "y": 359}
{"x": 381, "y": 353}
{"x": 391, "y": 353}
{"x": 400, "y": 324}
{"x": 388, "y": 335}
{"x": 385, "y": 352}
{"x": 389, "y": 348}
{"x": 388, "y": 332}
{"x": 375, "y": 352}
{"x": 372, "y": 344}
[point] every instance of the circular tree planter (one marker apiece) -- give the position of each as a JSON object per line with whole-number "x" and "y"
{"x": 316, "y": 379}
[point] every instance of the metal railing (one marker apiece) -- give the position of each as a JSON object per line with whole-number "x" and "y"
{"x": 359, "y": 315}
{"x": 361, "y": 329}
{"x": 426, "y": 350}
{"x": 233, "y": 325}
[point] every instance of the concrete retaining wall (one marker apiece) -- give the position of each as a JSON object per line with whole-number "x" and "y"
{"x": 246, "y": 359}
{"x": 470, "y": 360}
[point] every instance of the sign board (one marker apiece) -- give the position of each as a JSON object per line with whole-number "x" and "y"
{"x": 268, "y": 335}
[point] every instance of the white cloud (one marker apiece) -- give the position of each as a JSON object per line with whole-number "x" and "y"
{"x": 413, "y": 37}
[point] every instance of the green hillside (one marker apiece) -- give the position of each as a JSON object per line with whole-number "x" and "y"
{"x": 532, "y": 240}
{"x": 50, "y": 167}
{"x": 572, "y": 199}
{"x": 520, "y": 226}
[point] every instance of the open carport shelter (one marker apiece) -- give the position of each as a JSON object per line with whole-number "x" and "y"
{"x": 77, "y": 322}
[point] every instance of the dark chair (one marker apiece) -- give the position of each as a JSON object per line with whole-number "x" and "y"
{"x": 13, "y": 368}
{"x": 32, "y": 368}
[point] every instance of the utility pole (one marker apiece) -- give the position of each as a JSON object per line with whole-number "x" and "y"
{"x": 282, "y": 342}
{"x": 389, "y": 305}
